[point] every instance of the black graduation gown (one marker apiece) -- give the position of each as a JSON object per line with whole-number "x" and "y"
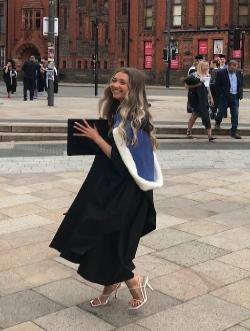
{"x": 10, "y": 82}
{"x": 103, "y": 226}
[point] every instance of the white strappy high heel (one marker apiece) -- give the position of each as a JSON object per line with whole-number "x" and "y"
{"x": 108, "y": 296}
{"x": 143, "y": 285}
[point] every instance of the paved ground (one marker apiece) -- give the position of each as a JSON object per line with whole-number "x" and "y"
{"x": 168, "y": 106}
{"x": 198, "y": 259}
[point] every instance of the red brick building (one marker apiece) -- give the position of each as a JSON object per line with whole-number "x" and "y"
{"x": 131, "y": 32}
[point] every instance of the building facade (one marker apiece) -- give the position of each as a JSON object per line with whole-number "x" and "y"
{"x": 130, "y": 32}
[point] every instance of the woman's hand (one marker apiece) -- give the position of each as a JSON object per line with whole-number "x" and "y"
{"x": 87, "y": 131}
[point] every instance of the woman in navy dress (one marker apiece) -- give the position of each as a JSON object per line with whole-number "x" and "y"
{"x": 114, "y": 207}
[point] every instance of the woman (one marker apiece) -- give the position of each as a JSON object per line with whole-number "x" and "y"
{"x": 214, "y": 67}
{"x": 198, "y": 99}
{"x": 204, "y": 100}
{"x": 10, "y": 77}
{"x": 114, "y": 207}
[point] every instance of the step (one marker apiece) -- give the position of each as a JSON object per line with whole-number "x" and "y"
{"x": 6, "y": 136}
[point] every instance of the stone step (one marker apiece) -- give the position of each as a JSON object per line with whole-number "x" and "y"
{"x": 10, "y": 136}
{"x": 58, "y": 131}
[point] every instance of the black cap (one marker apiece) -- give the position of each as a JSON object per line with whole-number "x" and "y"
{"x": 199, "y": 57}
{"x": 222, "y": 56}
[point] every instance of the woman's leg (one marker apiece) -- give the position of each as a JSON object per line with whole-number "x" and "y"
{"x": 191, "y": 122}
{"x": 134, "y": 286}
{"x": 107, "y": 291}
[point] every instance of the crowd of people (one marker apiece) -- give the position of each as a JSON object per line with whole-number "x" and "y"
{"x": 212, "y": 88}
{"x": 34, "y": 75}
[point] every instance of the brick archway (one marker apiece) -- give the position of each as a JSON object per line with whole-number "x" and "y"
{"x": 25, "y": 51}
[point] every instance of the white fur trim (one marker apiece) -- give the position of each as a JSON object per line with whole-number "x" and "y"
{"x": 129, "y": 162}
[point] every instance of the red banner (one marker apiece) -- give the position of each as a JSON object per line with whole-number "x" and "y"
{"x": 237, "y": 54}
{"x": 175, "y": 63}
{"x": 148, "y": 55}
{"x": 203, "y": 47}
{"x": 148, "y": 48}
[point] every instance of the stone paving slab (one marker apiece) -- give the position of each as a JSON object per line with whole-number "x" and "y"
{"x": 190, "y": 253}
{"x": 233, "y": 239}
{"x": 72, "y": 319}
{"x": 240, "y": 259}
{"x": 238, "y": 293}
{"x": 165, "y": 238}
{"x": 26, "y": 326}
{"x": 24, "y": 306}
{"x": 67, "y": 292}
{"x": 196, "y": 315}
{"x": 237, "y": 328}
{"x": 246, "y": 324}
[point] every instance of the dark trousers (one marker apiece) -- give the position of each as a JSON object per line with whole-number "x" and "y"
{"x": 28, "y": 84}
{"x": 233, "y": 103}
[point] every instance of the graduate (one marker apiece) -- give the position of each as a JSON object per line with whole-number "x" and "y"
{"x": 114, "y": 207}
{"x": 10, "y": 77}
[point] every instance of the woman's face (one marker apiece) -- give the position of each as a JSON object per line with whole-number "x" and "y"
{"x": 205, "y": 67}
{"x": 119, "y": 85}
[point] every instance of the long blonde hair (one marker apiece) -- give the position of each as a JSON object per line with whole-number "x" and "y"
{"x": 200, "y": 72}
{"x": 134, "y": 108}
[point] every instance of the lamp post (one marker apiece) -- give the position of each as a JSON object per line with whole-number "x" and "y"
{"x": 51, "y": 52}
{"x": 168, "y": 42}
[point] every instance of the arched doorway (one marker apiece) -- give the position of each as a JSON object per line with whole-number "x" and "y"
{"x": 24, "y": 52}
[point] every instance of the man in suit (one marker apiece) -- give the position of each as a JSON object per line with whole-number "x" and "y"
{"x": 229, "y": 85}
{"x": 30, "y": 70}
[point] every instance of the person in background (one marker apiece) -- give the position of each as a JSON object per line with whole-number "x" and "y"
{"x": 193, "y": 68}
{"x": 223, "y": 61}
{"x": 197, "y": 98}
{"x": 10, "y": 77}
{"x": 205, "y": 77}
{"x": 29, "y": 69}
{"x": 229, "y": 84}
{"x": 214, "y": 67}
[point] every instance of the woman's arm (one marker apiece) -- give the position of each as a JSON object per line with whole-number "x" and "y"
{"x": 93, "y": 134}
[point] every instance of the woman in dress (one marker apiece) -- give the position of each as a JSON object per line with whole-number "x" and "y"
{"x": 114, "y": 207}
{"x": 200, "y": 98}
{"x": 10, "y": 77}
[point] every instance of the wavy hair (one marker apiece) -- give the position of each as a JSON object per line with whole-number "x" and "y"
{"x": 134, "y": 109}
{"x": 200, "y": 66}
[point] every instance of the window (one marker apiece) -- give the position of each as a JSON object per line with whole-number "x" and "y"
{"x": 2, "y": 19}
{"x": 243, "y": 12}
{"x": 209, "y": 13}
{"x": 28, "y": 21}
{"x": 79, "y": 64}
{"x": 177, "y": 13}
{"x": 105, "y": 65}
{"x": 123, "y": 40}
{"x": 2, "y": 56}
{"x": 38, "y": 20}
{"x": 85, "y": 64}
{"x": 149, "y": 15}
{"x": 106, "y": 4}
{"x": 80, "y": 24}
{"x": 64, "y": 64}
{"x": 122, "y": 63}
{"x": 93, "y": 31}
{"x": 124, "y": 7}
{"x": 65, "y": 18}
{"x": 106, "y": 32}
